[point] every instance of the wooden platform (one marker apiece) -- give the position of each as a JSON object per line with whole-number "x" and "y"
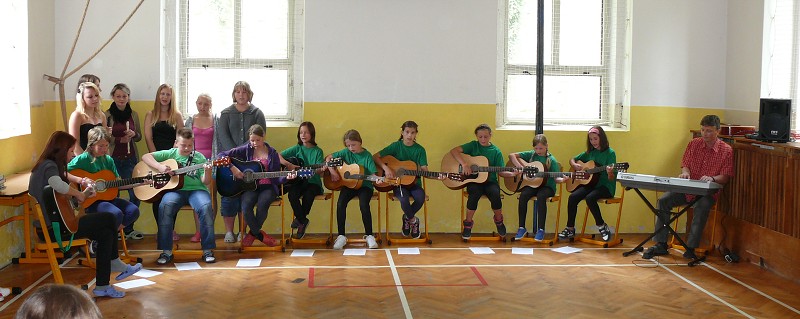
{"x": 443, "y": 281}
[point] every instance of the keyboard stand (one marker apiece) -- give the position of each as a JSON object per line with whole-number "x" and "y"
{"x": 675, "y": 216}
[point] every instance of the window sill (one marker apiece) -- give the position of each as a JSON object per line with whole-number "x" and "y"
{"x": 559, "y": 128}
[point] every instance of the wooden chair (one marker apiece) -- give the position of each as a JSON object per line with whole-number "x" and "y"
{"x": 555, "y": 199}
{"x": 281, "y": 242}
{"x": 177, "y": 250}
{"x": 376, "y": 230}
{"x": 494, "y": 237}
{"x": 674, "y": 243}
{"x": 615, "y": 240}
{"x": 315, "y": 241}
{"x": 49, "y": 247}
{"x": 424, "y": 238}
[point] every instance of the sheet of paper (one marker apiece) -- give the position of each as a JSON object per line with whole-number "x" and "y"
{"x": 255, "y": 262}
{"x": 566, "y": 250}
{"x": 355, "y": 252}
{"x": 521, "y": 251}
{"x": 481, "y": 250}
{"x": 147, "y": 273}
{"x": 408, "y": 251}
{"x": 303, "y": 253}
{"x": 188, "y": 266}
{"x": 134, "y": 283}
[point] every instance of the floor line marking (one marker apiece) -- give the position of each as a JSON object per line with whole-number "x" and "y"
{"x": 765, "y": 295}
{"x": 400, "y": 292}
{"x": 705, "y": 291}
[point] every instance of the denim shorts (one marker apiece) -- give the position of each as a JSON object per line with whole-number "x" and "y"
{"x": 231, "y": 206}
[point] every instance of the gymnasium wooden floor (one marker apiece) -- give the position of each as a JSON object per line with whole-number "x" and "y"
{"x": 446, "y": 280}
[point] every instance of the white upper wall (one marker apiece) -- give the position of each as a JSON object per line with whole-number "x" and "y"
{"x": 679, "y": 53}
{"x": 684, "y": 53}
{"x": 131, "y": 58}
{"x": 441, "y": 51}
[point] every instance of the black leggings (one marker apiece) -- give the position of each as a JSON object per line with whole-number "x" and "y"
{"x": 592, "y": 195}
{"x": 490, "y": 189}
{"x": 101, "y": 227}
{"x": 301, "y": 197}
{"x": 364, "y": 196}
{"x": 540, "y": 212}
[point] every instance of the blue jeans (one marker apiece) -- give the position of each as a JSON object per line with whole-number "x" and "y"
{"x": 260, "y": 198}
{"x": 125, "y": 213}
{"x": 125, "y": 170}
{"x": 231, "y": 206}
{"x": 200, "y": 200}
{"x": 404, "y": 195}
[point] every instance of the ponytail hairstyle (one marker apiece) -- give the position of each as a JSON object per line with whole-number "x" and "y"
{"x": 483, "y": 127}
{"x": 256, "y": 129}
{"x": 540, "y": 138}
{"x": 410, "y": 124}
{"x": 352, "y": 135}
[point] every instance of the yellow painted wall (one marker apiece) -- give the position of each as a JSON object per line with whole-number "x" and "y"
{"x": 653, "y": 145}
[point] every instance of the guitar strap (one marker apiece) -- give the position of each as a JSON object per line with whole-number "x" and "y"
{"x": 57, "y": 234}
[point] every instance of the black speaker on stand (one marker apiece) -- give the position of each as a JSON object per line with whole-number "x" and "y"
{"x": 774, "y": 120}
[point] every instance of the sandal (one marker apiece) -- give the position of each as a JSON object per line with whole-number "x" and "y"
{"x": 109, "y": 292}
{"x": 134, "y": 234}
{"x": 164, "y": 259}
{"x": 129, "y": 271}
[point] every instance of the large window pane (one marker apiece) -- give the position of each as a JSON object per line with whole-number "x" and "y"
{"x": 264, "y": 29}
{"x": 522, "y": 32}
{"x": 269, "y": 88}
{"x": 565, "y": 97}
{"x": 580, "y": 33}
{"x": 210, "y": 29}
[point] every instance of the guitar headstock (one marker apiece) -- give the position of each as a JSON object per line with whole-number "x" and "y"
{"x": 621, "y": 166}
{"x": 222, "y": 161}
{"x": 304, "y": 173}
{"x": 334, "y": 162}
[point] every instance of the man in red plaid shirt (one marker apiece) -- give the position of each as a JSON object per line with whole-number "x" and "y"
{"x": 707, "y": 158}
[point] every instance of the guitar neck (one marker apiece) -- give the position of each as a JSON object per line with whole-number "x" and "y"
{"x": 417, "y": 172}
{"x": 187, "y": 169}
{"x": 261, "y": 175}
{"x": 553, "y": 174}
{"x": 126, "y": 181}
{"x": 494, "y": 169}
{"x": 371, "y": 178}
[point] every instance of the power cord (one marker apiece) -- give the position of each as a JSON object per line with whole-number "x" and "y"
{"x": 730, "y": 256}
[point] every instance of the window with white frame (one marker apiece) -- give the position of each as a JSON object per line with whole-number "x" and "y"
{"x": 221, "y": 42}
{"x": 581, "y": 77}
{"x": 16, "y": 119}
{"x": 781, "y": 49}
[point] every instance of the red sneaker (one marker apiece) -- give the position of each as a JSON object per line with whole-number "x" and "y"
{"x": 269, "y": 241}
{"x": 248, "y": 240}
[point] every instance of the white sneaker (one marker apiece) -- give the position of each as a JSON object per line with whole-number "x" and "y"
{"x": 371, "y": 243}
{"x": 229, "y": 238}
{"x": 340, "y": 242}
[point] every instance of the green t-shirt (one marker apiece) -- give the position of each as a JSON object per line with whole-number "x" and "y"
{"x": 530, "y": 156}
{"x": 603, "y": 158}
{"x": 309, "y": 155}
{"x": 193, "y": 180}
{"x": 415, "y": 153}
{"x": 491, "y": 152}
{"x": 88, "y": 163}
{"x": 364, "y": 159}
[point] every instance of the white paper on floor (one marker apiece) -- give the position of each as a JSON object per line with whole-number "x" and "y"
{"x": 408, "y": 251}
{"x": 134, "y": 283}
{"x": 355, "y": 252}
{"x": 521, "y": 251}
{"x": 566, "y": 250}
{"x": 481, "y": 250}
{"x": 303, "y": 253}
{"x": 188, "y": 266}
{"x": 147, "y": 273}
{"x": 255, "y": 262}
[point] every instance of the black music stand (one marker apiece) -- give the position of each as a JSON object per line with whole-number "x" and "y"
{"x": 633, "y": 185}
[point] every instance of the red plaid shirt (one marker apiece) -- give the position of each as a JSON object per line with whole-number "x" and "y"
{"x": 704, "y": 161}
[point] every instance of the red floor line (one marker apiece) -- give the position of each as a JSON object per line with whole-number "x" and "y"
{"x": 311, "y": 277}
{"x": 478, "y": 274}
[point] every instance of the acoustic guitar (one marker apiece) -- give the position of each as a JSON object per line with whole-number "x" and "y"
{"x": 106, "y": 185}
{"x": 228, "y": 185}
{"x": 479, "y": 167}
{"x": 516, "y": 183}
{"x": 343, "y": 182}
{"x": 157, "y": 187}
{"x": 393, "y": 182}
{"x": 64, "y": 209}
{"x": 302, "y": 165}
{"x": 395, "y": 165}
{"x": 592, "y": 169}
